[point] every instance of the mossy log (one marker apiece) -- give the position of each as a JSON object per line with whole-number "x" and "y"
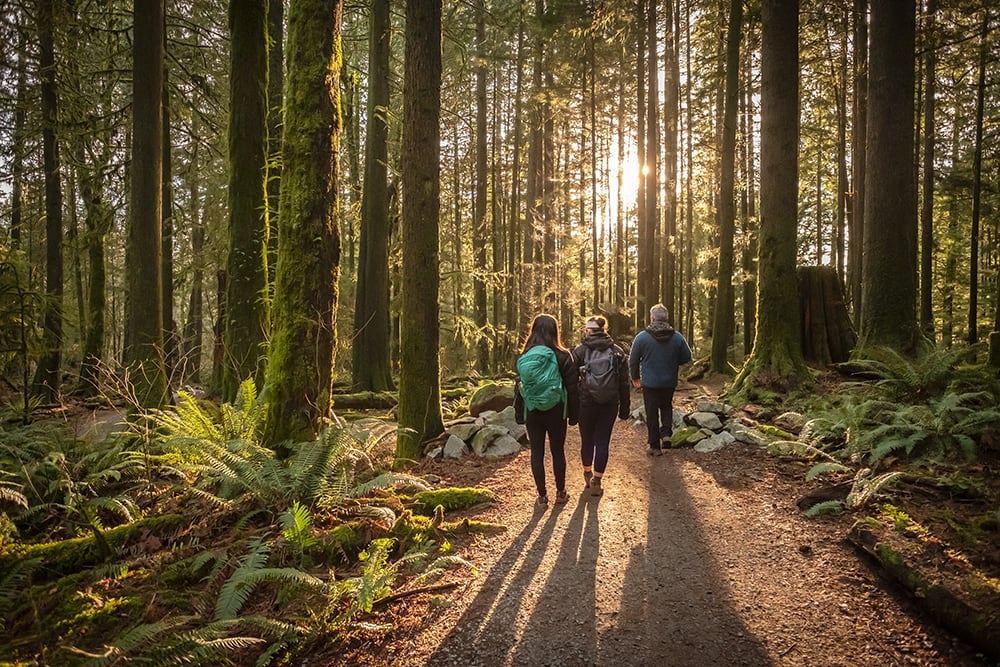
{"x": 828, "y": 336}
{"x": 65, "y": 557}
{"x": 975, "y": 623}
{"x": 365, "y": 400}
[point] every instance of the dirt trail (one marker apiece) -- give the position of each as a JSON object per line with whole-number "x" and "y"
{"x": 687, "y": 559}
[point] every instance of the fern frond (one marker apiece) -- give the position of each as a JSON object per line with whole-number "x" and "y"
{"x": 12, "y": 496}
{"x": 140, "y": 635}
{"x": 865, "y": 487}
{"x": 825, "y": 467}
{"x": 387, "y": 480}
{"x": 298, "y": 527}
{"x": 234, "y": 593}
{"x": 796, "y": 448}
{"x": 826, "y": 507}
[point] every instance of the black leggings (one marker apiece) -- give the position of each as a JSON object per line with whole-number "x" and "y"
{"x": 552, "y": 422}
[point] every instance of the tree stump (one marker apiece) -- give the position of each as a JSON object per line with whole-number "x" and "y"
{"x": 828, "y": 335}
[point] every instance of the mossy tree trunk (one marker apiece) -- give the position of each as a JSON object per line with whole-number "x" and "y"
{"x": 275, "y": 83}
{"x": 144, "y": 315}
{"x": 889, "y": 292}
{"x": 419, "y": 379}
{"x": 827, "y": 333}
{"x": 47, "y": 373}
{"x": 480, "y": 230}
{"x": 299, "y": 378}
{"x": 776, "y": 358}
{"x": 246, "y": 264}
{"x": 370, "y": 364}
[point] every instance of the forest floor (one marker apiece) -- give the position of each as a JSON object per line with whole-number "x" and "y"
{"x": 687, "y": 559}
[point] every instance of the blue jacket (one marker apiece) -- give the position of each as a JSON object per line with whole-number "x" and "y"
{"x": 657, "y": 354}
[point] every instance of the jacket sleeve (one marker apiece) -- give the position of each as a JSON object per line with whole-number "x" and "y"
{"x": 571, "y": 381}
{"x": 624, "y": 385}
{"x": 634, "y": 355}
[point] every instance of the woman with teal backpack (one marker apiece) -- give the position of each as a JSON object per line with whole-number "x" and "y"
{"x": 545, "y": 398}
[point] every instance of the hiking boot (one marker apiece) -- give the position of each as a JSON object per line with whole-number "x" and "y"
{"x": 587, "y": 476}
{"x": 595, "y": 487}
{"x": 542, "y": 502}
{"x": 561, "y": 497}
{"x": 654, "y": 451}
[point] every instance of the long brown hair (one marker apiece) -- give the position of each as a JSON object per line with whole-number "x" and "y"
{"x": 544, "y": 331}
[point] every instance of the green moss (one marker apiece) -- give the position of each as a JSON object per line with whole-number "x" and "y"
{"x": 775, "y": 433}
{"x": 681, "y": 435}
{"x": 465, "y": 526}
{"x": 452, "y": 499}
{"x": 73, "y": 555}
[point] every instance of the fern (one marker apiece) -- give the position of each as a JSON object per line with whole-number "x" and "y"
{"x": 825, "y": 467}
{"x": 824, "y": 508}
{"x": 865, "y": 487}
{"x": 298, "y": 528}
{"x": 234, "y": 593}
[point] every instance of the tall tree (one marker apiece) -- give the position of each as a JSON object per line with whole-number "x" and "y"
{"x": 856, "y": 228}
{"x": 927, "y": 195}
{"x": 370, "y": 365}
{"x": 47, "y": 373}
{"x": 419, "y": 380}
{"x": 776, "y": 358}
{"x": 889, "y": 291}
{"x": 977, "y": 183}
{"x": 275, "y": 83}
{"x": 722, "y": 330}
{"x": 18, "y": 137}
{"x": 671, "y": 112}
{"x": 299, "y": 378}
{"x": 479, "y": 223}
{"x": 246, "y": 263}
{"x": 144, "y": 314}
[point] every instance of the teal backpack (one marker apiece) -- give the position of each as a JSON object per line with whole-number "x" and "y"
{"x": 540, "y": 379}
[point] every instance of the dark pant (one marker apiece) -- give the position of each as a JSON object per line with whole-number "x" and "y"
{"x": 539, "y": 423}
{"x": 596, "y": 422}
{"x": 659, "y": 402}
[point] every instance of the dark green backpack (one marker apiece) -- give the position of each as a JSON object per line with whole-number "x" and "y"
{"x": 540, "y": 379}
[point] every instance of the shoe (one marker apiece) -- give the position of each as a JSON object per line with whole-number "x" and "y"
{"x": 595, "y": 487}
{"x": 561, "y": 497}
{"x": 666, "y": 442}
{"x": 587, "y": 476}
{"x": 654, "y": 451}
{"x": 543, "y": 501}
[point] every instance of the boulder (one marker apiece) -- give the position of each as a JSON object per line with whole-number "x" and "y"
{"x": 491, "y": 397}
{"x": 486, "y": 437}
{"x": 715, "y": 442}
{"x": 718, "y": 408}
{"x": 746, "y": 434}
{"x": 708, "y": 420}
{"x": 454, "y": 448}
{"x": 505, "y": 445}
{"x": 790, "y": 421}
{"x": 465, "y": 431}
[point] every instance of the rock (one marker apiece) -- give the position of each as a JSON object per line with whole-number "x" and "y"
{"x": 708, "y": 420}
{"x": 790, "y": 421}
{"x": 435, "y": 452}
{"x": 491, "y": 397}
{"x": 746, "y": 434}
{"x": 454, "y": 448}
{"x": 486, "y": 437}
{"x": 505, "y": 445}
{"x": 715, "y": 442}
{"x": 465, "y": 431}
{"x": 722, "y": 409}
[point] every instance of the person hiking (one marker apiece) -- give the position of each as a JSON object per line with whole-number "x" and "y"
{"x": 604, "y": 394}
{"x": 657, "y": 353}
{"x": 545, "y": 398}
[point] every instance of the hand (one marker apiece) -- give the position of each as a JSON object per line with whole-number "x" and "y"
{"x": 637, "y": 383}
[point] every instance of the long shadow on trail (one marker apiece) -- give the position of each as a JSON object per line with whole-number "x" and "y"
{"x": 676, "y": 608}
{"x": 487, "y": 631}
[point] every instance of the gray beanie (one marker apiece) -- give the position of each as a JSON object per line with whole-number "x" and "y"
{"x": 659, "y": 313}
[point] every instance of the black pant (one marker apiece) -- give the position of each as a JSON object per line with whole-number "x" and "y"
{"x": 659, "y": 402}
{"x": 552, "y": 422}
{"x": 596, "y": 423}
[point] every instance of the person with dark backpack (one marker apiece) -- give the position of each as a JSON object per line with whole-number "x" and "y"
{"x": 545, "y": 398}
{"x": 604, "y": 393}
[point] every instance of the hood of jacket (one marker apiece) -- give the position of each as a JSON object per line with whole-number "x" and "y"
{"x": 598, "y": 341}
{"x": 660, "y": 330}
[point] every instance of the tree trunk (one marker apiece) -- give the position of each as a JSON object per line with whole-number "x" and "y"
{"x": 304, "y": 337}
{"x": 419, "y": 381}
{"x": 194, "y": 321}
{"x": 776, "y": 358}
{"x": 275, "y": 103}
{"x": 890, "y": 244}
{"x": 144, "y": 313}
{"x": 246, "y": 264}
{"x": 479, "y": 229}
{"x": 856, "y": 229}
{"x": 171, "y": 347}
{"x": 927, "y": 196}
{"x": 671, "y": 109}
{"x": 47, "y": 374}
{"x": 828, "y": 336}
{"x": 370, "y": 363}
{"x": 977, "y": 185}
{"x": 18, "y": 137}
{"x": 650, "y": 285}
{"x": 725, "y": 301}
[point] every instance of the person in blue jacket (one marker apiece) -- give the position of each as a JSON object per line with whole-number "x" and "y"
{"x": 657, "y": 354}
